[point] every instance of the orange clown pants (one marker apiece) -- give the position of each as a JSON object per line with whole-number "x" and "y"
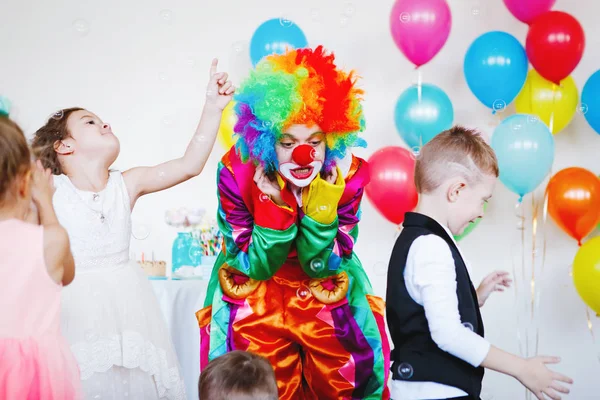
{"x": 318, "y": 351}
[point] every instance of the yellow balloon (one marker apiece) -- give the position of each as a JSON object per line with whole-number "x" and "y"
{"x": 545, "y": 99}
{"x": 228, "y": 120}
{"x": 586, "y": 273}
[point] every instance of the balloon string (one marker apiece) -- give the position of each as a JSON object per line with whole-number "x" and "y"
{"x": 517, "y": 287}
{"x": 534, "y": 212}
{"x": 552, "y": 109}
{"x": 419, "y": 85}
{"x": 522, "y": 226}
{"x": 542, "y": 266}
{"x": 591, "y": 328}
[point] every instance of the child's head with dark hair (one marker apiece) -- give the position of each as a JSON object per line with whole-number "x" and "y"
{"x": 456, "y": 173}
{"x": 238, "y": 375}
{"x": 73, "y": 136}
{"x": 15, "y": 166}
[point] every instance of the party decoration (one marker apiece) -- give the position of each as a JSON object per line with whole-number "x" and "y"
{"x": 420, "y": 28}
{"x": 228, "y": 120}
{"x": 274, "y": 37}
{"x": 590, "y": 101}
{"x": 527, "y": 10}
{"x": 555, "y": 44}
{"x": 392, "y": 189}
{"x": 586, "y": 273}
{"x": 4, "y": 106}
{"x": 495, "y": 68}
{"x": 470, "y": 227}
{"x": 418, "y": 120}
{"x": 555, "y": 105}
{"x": 524, "y": 147}
{"x": 574, "y": 201}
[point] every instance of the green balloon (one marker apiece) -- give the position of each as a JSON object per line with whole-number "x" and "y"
{"x": 470, "y": 227}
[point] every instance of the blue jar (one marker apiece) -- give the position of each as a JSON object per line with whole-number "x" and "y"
{"x": 185, "y": 251}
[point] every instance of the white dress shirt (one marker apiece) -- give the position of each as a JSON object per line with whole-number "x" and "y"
{"x": 430, "y": 278}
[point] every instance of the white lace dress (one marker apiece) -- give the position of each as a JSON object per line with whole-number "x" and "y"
{"x": 110, "y": 314}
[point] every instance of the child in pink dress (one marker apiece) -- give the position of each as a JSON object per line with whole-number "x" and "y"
{"x": 35, "y": 262}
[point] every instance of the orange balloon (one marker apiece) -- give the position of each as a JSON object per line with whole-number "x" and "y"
{"x": 574, "y": 201}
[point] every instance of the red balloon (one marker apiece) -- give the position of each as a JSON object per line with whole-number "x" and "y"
{"x": 392, "y": 189}
{"x": 554, "y": 45}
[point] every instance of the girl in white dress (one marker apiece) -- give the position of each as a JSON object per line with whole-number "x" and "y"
{"x": 110, "y": 314}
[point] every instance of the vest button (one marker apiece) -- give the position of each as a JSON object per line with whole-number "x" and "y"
{"x": 405, "y": 370}
{"x": 468, "y": 325}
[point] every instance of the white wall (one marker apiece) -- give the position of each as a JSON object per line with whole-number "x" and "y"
{"x": 145, "y": 71}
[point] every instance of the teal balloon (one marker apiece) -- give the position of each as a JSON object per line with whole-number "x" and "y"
{"x": 524, "y": 147}
{"x": 274, "y": 37}
{"x": 470, "y": 227}
{"x": 419, "y": 120}
{"x": 4, "y": 106}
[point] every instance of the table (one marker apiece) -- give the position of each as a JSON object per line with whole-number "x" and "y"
{"x": 179, "y": 300}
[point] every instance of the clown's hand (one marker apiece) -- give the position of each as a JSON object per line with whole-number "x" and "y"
{"x": 269, "y": 188}
{"x": 320, "y": 199}
{"x": 331, "y": 177}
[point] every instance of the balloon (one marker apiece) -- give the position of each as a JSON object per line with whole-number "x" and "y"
{"x": 586, "y": 273}
{"x": 554, "y": 45}
{"x": 228, "y": 120}
{"x": 420, "y": 28}
{"x": 392, "y": 188}
{"x": 495, "y": 69}
{"x": 418, "y": 121}
{"x": 4, "y": 106}
{"x": 527, "y": 10}
{"x": 524, "y": 147}
{"x": 590, "y": 101}
{"x": 274, "y": 36}
{"x": 470, "y": 227}
{"x": 574, "y": 201}
{"x": 546, "y": 100}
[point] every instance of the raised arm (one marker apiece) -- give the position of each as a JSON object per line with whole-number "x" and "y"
{"x": 57, "y": 248}
{"x": 144, "y": 180}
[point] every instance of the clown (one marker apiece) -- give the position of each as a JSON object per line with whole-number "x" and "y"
{"x": 288, "y": 285}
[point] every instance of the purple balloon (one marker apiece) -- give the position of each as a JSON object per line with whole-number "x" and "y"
{"x": 420, "y": 28}
{"x": 527, "y": 10}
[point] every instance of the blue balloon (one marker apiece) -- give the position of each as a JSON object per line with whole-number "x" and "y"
{"x": 590, "y": 101}
{"x": 496, "y": 69}
{"x": 524, "y": 147}
{"x": 419, "y": 120}
{"x": 273, "y": 36}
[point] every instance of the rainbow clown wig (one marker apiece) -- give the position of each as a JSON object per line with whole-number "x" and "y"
{"x": 303, "y": 86}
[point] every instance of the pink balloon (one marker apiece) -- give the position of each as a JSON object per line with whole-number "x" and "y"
{"x": 420, "y": 28}
{"x": 392, "y": 188}
{"x": 527, "y": 10}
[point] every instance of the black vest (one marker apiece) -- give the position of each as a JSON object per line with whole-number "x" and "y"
{"x": 416, "y": 357}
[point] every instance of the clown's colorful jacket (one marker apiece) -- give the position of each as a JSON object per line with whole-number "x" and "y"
{"x": 261, "y": 236}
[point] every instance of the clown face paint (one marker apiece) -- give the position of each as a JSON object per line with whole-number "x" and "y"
{"x": 300, "y": 153}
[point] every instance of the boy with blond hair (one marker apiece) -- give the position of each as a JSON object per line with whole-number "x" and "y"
{"x": 432, "y": 306}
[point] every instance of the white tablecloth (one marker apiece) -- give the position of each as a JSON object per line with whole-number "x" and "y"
{"x": 179, "y": 301}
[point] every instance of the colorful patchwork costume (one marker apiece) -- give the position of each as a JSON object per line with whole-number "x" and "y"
{"x": 288, "y": 285}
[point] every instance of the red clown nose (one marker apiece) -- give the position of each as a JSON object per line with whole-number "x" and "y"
{"x": 303, "y": 155}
